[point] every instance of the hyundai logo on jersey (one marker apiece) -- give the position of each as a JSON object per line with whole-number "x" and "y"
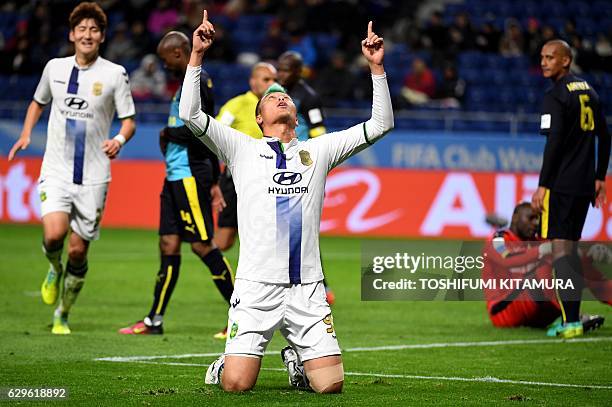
{"x": 287, "y": 178}
{"x": 76, "y": 103}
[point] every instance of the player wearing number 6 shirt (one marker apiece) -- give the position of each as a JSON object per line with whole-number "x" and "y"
{"x": 573, "y": 171}
{"x": 280, "y": 184}
{"x": 85, "y": 90}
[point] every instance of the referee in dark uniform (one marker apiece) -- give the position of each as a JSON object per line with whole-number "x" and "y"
{"x": 573, "y": 172}
{"x": 192, "y": 171}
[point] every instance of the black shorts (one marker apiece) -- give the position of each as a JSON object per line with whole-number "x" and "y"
{"x": 563, "y": 216}
{"x": 186, "y": 210}
{"x": 228, "y": 218}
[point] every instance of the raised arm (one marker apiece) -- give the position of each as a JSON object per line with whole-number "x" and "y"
{"x": 344, "y": 144}
{"x": 222, "y": 140}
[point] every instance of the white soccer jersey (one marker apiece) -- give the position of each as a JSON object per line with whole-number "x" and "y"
{"x": 84, "y": 103}
{"x": 280, "y": 188}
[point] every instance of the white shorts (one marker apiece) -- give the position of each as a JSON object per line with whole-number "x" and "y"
{"x": 300, "y": 311}
{"x": 83, "y": 203}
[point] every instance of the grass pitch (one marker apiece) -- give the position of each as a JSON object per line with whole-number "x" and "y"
{"x": 516, "y": 366}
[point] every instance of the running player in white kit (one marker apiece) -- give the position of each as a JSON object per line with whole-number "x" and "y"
{"x": 280, "y": 184}
{"x": 84, "y": 90}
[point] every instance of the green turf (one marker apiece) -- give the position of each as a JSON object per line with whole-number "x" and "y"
{"x": 118, "y": 291}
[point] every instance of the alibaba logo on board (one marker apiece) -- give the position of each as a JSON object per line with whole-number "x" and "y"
{"x": 357, "y": 220}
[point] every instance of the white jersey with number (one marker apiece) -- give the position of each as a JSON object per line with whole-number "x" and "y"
{"x": 280, "y": 188}
{"x": 84, "y": 101}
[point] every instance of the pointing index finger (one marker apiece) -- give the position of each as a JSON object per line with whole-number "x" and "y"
{"x": 205, "y": 17}
{"x": 369, "y": 29}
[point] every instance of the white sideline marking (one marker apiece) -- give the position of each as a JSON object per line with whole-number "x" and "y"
{"x": 487, "y": 379}
{"x": 483, "y": 343}
{"x": 377, "y": 348}
{"x": 143, "y": 358}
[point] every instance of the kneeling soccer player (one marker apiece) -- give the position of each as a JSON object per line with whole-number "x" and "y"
{"x": 280, "y": 184}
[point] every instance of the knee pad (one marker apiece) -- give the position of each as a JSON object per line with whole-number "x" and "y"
{"x": 325, "y": 377}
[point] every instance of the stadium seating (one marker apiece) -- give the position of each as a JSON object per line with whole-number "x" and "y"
{"x": 494, "y": 83}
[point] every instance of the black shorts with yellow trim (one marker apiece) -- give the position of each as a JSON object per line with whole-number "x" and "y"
{"x": 186, "y": 210}
{"x": 563, "y": 216}
{"x": 228, "y": 218}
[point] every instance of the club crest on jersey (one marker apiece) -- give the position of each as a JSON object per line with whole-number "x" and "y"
{"x": 233, "y": 331}
{"x": 305, "y": 158}
{"x": 97, "y": 88}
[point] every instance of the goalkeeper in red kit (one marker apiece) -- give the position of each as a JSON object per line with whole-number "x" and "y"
{"x": 517, "y": 253}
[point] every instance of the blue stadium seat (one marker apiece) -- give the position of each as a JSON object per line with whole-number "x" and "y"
{"x": 471, "y": 60}
{"x": 579, "y": 8}
{"x": 495, "y": 61}
{"x": 247, "y": 40}
{"x": 254, "y": 22}
{"x": 470, "y": 75}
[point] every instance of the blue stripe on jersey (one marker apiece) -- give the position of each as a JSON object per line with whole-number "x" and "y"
{"x": 282, "y": 225}
{"x": 76, "y": 129}
{"x": 73, "y": 84}
{"x": 289, "y": 234}
{"x": 281, "y": 158}
{"x": 289, "y": 222}
{"x": 295, "y": 240}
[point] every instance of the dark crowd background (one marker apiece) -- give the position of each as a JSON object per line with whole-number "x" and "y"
{"x": 472, "y": 55}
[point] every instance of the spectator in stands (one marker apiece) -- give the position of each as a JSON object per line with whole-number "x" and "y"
{"x": 435, "y": 38}
{"x": 584, "y": 57}
{"x": 18, "y": 52}
{"x": 461, "y": 32}
{"x": 163, "y": 18}
{"x": 435, "y": 35}
{"x": 603, "y": 49}
{"x": 274, "y": 43}
{"x": 141, "y": 39}
{"x": 362, "y": 88}
{"x": 548, "y": 34}
{"x": 120, "y": 47}
{"x": 148, "y": 82}
{"x": 452, "y": 88}
{"x": 335, "y": 81}
{"x": 292, "y": 14}
{"x": 533, "y": 41}
{"x": 487, "y": 39}
{"x": 302, "y": 42}
{"x": 512, "y": 42}
{"x": 224, "y": 46}
{"x": 419, "y": 84}
{"x": 569, "y": 28}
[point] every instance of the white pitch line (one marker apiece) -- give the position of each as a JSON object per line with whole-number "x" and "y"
{"x": 143, "y": 358}
{"x": 482, "y": 343}
{"x": 487, "y": 379}
{"x": 377, "y": 348}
